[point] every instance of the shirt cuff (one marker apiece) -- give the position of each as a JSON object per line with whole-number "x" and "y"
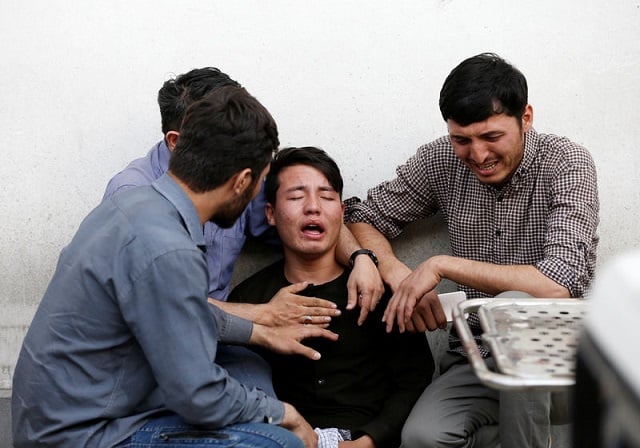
{"x": 275, "y": 413}
{"x": 232, "y": 329}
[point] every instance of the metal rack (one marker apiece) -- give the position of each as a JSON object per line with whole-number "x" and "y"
{"x": 533, "y": 341}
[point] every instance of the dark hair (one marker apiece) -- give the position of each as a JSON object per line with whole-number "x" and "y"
{"x": 482, "y": 86}
{"x": 221, "y": 134}
{"x": 308, "y": 155}
{"x": 176, "y": 95}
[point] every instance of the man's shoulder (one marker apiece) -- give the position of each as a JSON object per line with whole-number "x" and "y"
{"x": 141, "y": 171}
{"x": 153, "y": 220}
{"x": 562, "y": 150}
{"x": 441, "y": 145}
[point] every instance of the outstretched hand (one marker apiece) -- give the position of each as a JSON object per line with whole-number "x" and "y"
{"x": 288, "y": 308}
{"x": 287, "y": 340}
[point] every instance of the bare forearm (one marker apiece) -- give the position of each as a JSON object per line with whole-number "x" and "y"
{"x": 347, "y": 244}
{"x": 494, "y": 279}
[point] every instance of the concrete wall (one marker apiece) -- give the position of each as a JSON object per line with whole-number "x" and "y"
{"x": 358, "y": 78}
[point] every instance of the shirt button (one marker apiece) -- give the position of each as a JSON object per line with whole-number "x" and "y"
{"x": 321, "y": 382}
{"x": 498, "y": 232}
{"x": 500, "y": 198}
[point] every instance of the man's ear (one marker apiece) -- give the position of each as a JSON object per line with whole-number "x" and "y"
{"x": 171, "y": 138}
{"x": 243, "y": 180}
{"x": 527, "y": 118}
{"x": 269, "y": 213}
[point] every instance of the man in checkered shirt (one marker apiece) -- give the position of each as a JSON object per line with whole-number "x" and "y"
{"x": 521, "y": 210}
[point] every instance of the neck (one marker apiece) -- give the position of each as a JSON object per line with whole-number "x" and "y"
{"x": 204, "y": 203}
{"x": 317, "y": 269}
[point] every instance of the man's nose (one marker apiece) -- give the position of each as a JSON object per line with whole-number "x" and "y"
{"x": 312, "y": 204}
{"x": 478, "y": 151}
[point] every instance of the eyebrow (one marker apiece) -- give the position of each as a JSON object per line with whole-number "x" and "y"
{"x": 304, "y": 187}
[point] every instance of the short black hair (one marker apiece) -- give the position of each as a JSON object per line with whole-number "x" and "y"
{"x": 309, "y": 156}
{"x": 221, "y": 134}
{"x": 482, "y": 86}
{"x": 177, "y": 94}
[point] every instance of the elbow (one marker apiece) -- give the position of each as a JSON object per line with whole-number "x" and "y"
{"x": 553, "y": 290}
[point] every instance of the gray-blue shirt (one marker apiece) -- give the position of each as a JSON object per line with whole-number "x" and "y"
{"x": 124, "y": 331}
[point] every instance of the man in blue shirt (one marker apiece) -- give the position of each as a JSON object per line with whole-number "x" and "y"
{"x": 224, "y": 245}
{"x": 120, "y": 352}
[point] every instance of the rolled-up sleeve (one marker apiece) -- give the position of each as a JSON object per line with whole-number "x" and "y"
{"x": 571, "y": 238}
{"x": 393, "y": 204}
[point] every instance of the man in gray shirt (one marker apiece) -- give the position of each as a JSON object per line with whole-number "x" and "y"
{"x": 121, "y": 350}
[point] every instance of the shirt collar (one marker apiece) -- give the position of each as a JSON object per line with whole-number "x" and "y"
{"x": 168, "y": 188}
{"x": 530, "y": 145}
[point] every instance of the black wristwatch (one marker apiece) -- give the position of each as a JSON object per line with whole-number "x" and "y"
{"x": 369, "y": 253}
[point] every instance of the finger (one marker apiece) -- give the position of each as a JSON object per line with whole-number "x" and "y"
{"x": 405, "y": 310}
{"x": 416, "y": 324}
{"x": 307, "y": 352}
{"x": 310, "y": 331}
{"x": 364, "y": 312}
{"x": 309, "y": 319}
{"x": 367, "y": 305}
{"x": 400, "y": 318}
{"x": 352, "y": 295}
{"x": 438, "y": 313}
{"x": 429, "y": 320}
{"x": 390, "y": 314}
{"x": 297, "y": 287}
{"x": 315, "y": 302}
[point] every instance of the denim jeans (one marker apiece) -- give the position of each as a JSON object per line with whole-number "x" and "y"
{"x": 170, "y": 431}
{"x": 246, "y": 366}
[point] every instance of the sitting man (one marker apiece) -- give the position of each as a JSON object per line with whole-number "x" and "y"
{"x": 121, "y": 350}
{"x": 521, "y": 210}
{"x": 365, "y": 384}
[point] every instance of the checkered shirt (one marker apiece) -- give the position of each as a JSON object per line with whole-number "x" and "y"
{"x": 546, "y": 216}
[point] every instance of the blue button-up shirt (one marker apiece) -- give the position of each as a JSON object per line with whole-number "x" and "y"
{"x": 223, "y": 245}
{"x": 124, "y": 331}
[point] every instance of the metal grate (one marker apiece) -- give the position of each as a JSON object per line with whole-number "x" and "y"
{"x": 532, "y": 339}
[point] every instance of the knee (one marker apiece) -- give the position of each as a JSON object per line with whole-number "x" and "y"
{"x": 419, "y": 435}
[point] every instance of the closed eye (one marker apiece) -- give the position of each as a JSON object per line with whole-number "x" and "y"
{"x": 461, "y": 140}
{"x": 492, "y": 137}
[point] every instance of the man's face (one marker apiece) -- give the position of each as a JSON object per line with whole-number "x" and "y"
{"x": 307, "y": 213}
{"x": 492, "y": 149}
{"x": 233, "y": 208}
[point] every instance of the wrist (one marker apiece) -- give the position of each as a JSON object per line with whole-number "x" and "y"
{"x": 263, "y": 314}
{"x": 362, "y": 252}
{"x": 258, "y": 336}
{"x": 438, "y": 265}
{"x": 393, "y": 272}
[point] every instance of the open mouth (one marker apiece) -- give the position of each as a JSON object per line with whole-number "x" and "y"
{"x": 313, "y": 229}
{"x": 485, "y": 168}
